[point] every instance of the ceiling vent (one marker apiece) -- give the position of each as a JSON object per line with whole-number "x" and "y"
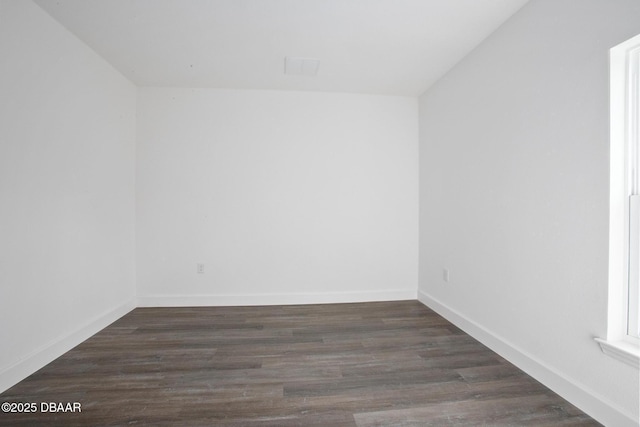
{"x": 297, "y": 66}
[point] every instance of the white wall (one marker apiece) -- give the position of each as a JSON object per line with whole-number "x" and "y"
{"x": 67, "y": 146}
{"x": 286, "y": 197}
{"x": 514, "y": 159}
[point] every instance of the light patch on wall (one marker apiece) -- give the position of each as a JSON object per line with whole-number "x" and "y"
{"x": 298, "y": 66}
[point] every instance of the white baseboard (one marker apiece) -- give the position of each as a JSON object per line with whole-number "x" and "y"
{"x": 596, "y": 406}
{"x": 52, "y": 350}
{"x": 274, "y": 299}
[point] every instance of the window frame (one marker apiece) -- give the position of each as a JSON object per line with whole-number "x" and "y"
{"x": 623, "y": 305}
{"x": 633, "y": 190}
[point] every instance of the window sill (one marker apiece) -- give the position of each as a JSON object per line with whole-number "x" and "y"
{"x": 621, "y": 350}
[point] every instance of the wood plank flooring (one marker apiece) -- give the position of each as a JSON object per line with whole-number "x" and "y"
{"x": 363, "y": 365}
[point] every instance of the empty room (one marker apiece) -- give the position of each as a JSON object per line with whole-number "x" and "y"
{"x": 320, "y": 212}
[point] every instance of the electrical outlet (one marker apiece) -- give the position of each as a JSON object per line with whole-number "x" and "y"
{"x": 445, "y": 274}
{"x": 200, "y": 268}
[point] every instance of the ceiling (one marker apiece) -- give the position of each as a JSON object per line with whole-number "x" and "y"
{"x": 391, "y": 47}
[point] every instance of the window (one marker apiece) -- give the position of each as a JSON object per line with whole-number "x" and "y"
{"x": 633, "y": 193}
{"x": 623, "y": 328}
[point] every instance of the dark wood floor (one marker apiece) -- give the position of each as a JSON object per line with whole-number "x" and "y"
{"x": 371, "y": 364}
